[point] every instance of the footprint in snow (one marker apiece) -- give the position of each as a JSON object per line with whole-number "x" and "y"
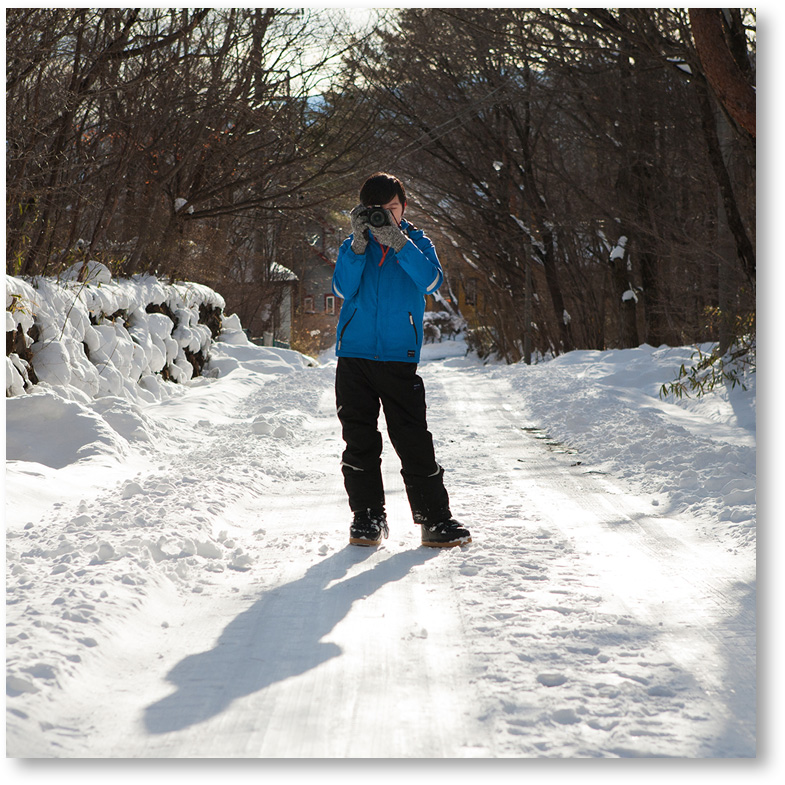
{"x": 566, "y": 717}
{"x": 130, "y": 489}
{"x": 551, "y": 679}
{"x": 261, "y": 427}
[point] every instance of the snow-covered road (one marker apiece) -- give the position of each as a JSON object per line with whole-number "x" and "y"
{"x": 228, "y": 616}
{"x": 636, "y": 634}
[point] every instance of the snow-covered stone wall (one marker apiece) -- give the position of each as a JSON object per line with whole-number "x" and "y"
{"x": 107, "y": 336}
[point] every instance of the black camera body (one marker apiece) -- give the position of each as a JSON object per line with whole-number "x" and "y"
{"x": 377, "y": 216}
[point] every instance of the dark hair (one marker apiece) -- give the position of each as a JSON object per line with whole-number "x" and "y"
{"x": 381, "y": 188}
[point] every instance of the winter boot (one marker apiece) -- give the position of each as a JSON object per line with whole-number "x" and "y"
{"x": 430, "y": 505}
{"x": 368, "y": 527}
{"x": 445, "y": 534}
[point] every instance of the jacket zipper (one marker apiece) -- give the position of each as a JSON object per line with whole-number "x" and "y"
{"x": 416, "y": 336}
{"x": 340, "y": 338}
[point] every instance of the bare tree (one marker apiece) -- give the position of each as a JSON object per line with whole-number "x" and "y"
{"x": 128, "y": 126}
{"x": 540, "y": 139}
{"x": 53, "y": 96}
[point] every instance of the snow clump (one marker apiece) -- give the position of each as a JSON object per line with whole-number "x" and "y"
{"x": 102, "y": 336}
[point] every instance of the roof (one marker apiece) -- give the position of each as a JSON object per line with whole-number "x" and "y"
{"x": 280, "y": 273}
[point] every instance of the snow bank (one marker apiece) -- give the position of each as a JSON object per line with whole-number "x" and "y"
{"x": 86, "y": 353}
{"x": 102, "y": 336}
{"x": 696, "y": 454}
{"x": 49, "y": 429}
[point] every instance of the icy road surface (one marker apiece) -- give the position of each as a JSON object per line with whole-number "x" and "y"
{"x": 583, "y": 621}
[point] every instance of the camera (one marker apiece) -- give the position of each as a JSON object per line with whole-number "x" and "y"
{"x": 377, "y": 216}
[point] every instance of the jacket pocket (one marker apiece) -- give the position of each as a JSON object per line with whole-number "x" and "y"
{"x": 343, "y": 330}
{"x": 414, "y": 327}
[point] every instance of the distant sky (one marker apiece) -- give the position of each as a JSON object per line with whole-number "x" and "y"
{"x": 360, "y": 17}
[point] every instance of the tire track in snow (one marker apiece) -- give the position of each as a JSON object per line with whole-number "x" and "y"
{"x": 605, "y": 630}
{"x": 312, "y": 648}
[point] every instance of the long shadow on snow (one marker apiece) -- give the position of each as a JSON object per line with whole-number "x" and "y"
{"x": 278, "y": 637}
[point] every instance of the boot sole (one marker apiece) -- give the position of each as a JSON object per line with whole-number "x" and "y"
{"x": 452, "y": 544}
{"x": 366, "y": 543}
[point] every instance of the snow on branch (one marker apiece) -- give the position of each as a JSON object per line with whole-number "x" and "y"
{"x": 532, "y": 239}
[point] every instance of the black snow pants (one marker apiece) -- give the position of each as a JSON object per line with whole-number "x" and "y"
{"x": 361, "y": 387}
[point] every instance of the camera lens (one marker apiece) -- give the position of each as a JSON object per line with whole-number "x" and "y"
{"x": 377, "y": 217}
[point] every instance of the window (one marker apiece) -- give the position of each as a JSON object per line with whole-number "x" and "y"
{"x": 308, "y": 304}
{"x": 329, "y": 303}
{"x": 471, "y": 291}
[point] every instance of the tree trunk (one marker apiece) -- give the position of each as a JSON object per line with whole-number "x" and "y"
{"x": 744, "y": 249}
{"x": 725, "y": 248}
{"x": 626, "y": 305}
{"x": 527, "y": 314}
{"x": 724, "y": 74}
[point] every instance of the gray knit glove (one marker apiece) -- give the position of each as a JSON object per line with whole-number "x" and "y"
{"x": 360, "y": 226}
{"x": 390, "y": 234}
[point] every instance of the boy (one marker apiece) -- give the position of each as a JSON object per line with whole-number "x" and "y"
{"x": 382, "y": 274}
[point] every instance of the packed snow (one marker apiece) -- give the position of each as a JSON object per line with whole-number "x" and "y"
{"x": 180, "y": 582}
{"x": 695, "y": 456}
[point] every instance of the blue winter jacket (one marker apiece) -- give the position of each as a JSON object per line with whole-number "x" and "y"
{"x": 383, "y": 297}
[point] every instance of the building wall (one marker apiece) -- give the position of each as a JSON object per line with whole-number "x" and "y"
{"x": 316, "y": 308}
